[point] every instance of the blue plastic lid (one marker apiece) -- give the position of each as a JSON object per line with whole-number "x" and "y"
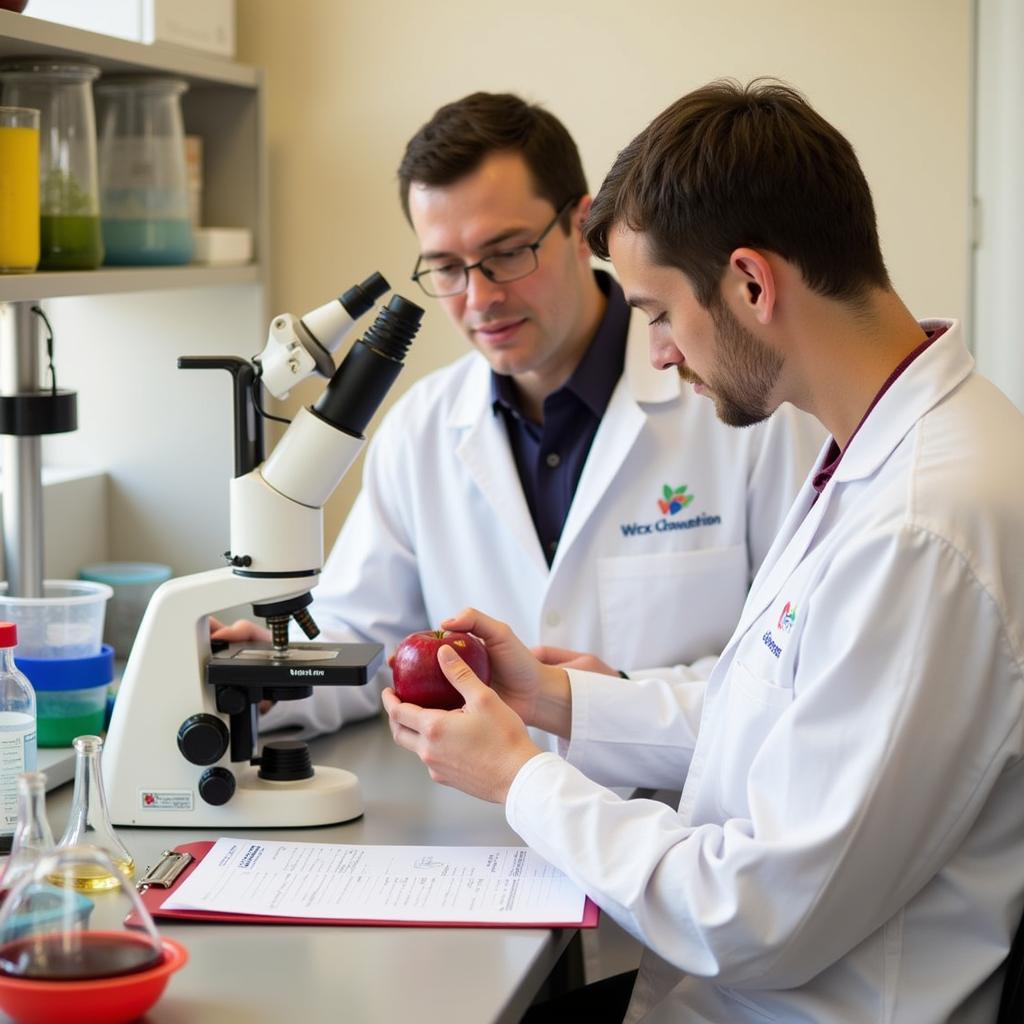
{"x": 122, "y": 573}
{"x": 69, "y": 673}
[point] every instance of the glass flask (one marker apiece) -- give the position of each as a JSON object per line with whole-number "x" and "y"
{"x": 143, "y": 175}
{"x": 32, "y": 837}
{"x": 70, "y": 237}
{"x": 50, "y": 932}
{"x": 89, "y": 823}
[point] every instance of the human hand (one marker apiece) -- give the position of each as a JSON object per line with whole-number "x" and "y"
{"x": 478, "y": 748}
{"x": 517, "y": 676}
{"x": 564, "y": 658}
{"x": 238, "y": 632}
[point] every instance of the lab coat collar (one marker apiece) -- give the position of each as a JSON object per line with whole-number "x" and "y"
{"x": 645, "y": 383}
{"x": 940, "y": 368}
{"x": 937, "y": 371}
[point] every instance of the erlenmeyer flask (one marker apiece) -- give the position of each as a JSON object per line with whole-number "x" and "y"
{"x": 90, "y": 821}
{"x": 64, "y": 957}
{"x": 32, "y": 835}
{"x": 52, "y": 933}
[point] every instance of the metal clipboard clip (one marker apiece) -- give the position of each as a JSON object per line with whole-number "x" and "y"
{"x": 165, "y": 872}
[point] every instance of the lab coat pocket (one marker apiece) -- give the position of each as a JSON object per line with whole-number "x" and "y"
{"x": 747, "y": 709}
{"x": 679, "y": 606}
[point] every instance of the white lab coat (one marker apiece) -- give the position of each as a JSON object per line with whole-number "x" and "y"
{"x": 441, "y": 523}
{"x": 849, "y": 846}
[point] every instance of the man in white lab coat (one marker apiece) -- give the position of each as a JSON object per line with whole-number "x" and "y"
{"x": 541, "y": 476}
{"x": 849, "y": 846}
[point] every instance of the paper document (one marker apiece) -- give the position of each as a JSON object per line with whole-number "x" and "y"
{"x": 437, "y": 884}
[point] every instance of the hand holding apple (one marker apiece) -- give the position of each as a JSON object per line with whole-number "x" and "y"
{"x": 478, "y": 749}
{"x": 418, "y": 678}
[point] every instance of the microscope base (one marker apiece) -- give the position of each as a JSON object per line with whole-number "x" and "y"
{"x": 332, "y": 796}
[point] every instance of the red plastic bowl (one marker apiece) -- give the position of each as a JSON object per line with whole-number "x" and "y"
{"x": 114, "y": 1000}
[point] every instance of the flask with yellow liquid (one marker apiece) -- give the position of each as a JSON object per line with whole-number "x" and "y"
{"x": 89, "y": 823}
{"x": 19, "y": 190}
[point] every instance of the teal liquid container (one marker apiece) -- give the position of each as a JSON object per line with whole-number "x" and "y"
{"x": 144, "y": 193}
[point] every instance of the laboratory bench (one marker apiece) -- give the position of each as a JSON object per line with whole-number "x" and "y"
{"x": 258, "y": 974}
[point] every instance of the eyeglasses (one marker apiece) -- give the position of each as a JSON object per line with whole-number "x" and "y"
{"x": 499, "y": 267}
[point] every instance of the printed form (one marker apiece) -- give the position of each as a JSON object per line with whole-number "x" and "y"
{"x": 436, "y": 884}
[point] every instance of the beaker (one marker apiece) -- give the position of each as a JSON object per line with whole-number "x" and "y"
{"x": 143, "y": 176}
{"x": 32, "y": 835}
{"x": 19, "y": 190}
{"x": 89, "y": 822}
{"x": 61, "y": 91}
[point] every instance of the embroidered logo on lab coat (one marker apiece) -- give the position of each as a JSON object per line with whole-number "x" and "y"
{"x": 787, "y": 618}
{"x": 673, "y": 501}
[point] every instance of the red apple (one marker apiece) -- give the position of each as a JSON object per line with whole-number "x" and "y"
{"x": 417, "y": 675}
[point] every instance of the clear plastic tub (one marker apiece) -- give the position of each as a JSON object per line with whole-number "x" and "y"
{"x": 66, "y": 622}
{"x": 133, "y": 583}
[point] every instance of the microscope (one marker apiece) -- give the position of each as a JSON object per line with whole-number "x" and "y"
{"x": 181, "y": 750}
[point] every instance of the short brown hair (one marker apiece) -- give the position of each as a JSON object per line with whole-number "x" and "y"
{"x": 462, "y": 134}
{"x": 731, "y": 165}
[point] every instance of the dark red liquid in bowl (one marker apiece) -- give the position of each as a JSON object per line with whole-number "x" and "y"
{"x": 90, "y": 955}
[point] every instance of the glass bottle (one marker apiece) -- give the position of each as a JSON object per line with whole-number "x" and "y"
{"x": 89, "y": 822}
{"x": 143, "y": 174}
{"x": 17, "y": 732}
{"x": 32, "y": 837}
{"x": 70, "y": 237}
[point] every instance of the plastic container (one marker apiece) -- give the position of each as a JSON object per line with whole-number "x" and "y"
{"x": 143, "y": 176}
{"x": 71, "y": 695}
{"x": 133, "y": 584}
{"x": 61, "y": 91}
{"x": 66, "y": 622}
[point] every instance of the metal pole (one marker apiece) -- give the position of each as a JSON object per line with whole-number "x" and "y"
{"x": 22, "y": 465}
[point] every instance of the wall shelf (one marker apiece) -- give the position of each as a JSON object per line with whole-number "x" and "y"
{"x": 21, "y": 35}
{"x": 113, "y": 280}
{"x": 223, "y": 105}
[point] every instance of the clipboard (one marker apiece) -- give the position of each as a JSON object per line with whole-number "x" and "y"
{"x": 160, "y": 882}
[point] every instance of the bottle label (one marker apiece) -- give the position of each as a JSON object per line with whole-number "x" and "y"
{"x": 17, "y": 755}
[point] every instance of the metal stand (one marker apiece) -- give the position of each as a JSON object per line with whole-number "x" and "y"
{"x": 23, "y": 464}
{"x": 26, "y": 413}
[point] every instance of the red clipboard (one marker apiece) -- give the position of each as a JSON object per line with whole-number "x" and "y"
{"x": 153, "y": 899}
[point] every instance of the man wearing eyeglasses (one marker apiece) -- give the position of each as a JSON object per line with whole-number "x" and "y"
{"x": 550, "y": 476}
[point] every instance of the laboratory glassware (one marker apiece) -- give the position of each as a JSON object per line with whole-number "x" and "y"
{"x": 143, "y": 174}
{"x": 32, "y": 837}
{"x": 89, "y": 822}
{"x": 61, "y": 91}
{"x": 19, "y": 190}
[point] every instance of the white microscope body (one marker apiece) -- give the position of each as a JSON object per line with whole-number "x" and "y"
{"x": 180, "y": 750}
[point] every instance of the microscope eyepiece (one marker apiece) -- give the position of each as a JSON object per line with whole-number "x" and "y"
{"x": 395, "y": 327}
{"x": 370, "y": 368}
{"x": 359, "y": 299}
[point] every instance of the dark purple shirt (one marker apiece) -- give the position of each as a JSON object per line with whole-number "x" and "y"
{"x": 550, "y": 456}
{"x": 834, "y": 456}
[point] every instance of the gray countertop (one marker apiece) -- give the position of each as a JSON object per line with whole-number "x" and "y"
{"x": 257, "y": 974}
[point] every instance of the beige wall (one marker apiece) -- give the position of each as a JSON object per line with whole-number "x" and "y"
{"x": 349, "y": 82}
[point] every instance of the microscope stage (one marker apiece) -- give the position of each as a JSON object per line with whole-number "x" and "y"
{"x": 314, "y": 664}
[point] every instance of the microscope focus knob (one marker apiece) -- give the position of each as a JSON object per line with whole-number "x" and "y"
{"x": 216, "y": 786}
{"x": 203, "y": 739}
